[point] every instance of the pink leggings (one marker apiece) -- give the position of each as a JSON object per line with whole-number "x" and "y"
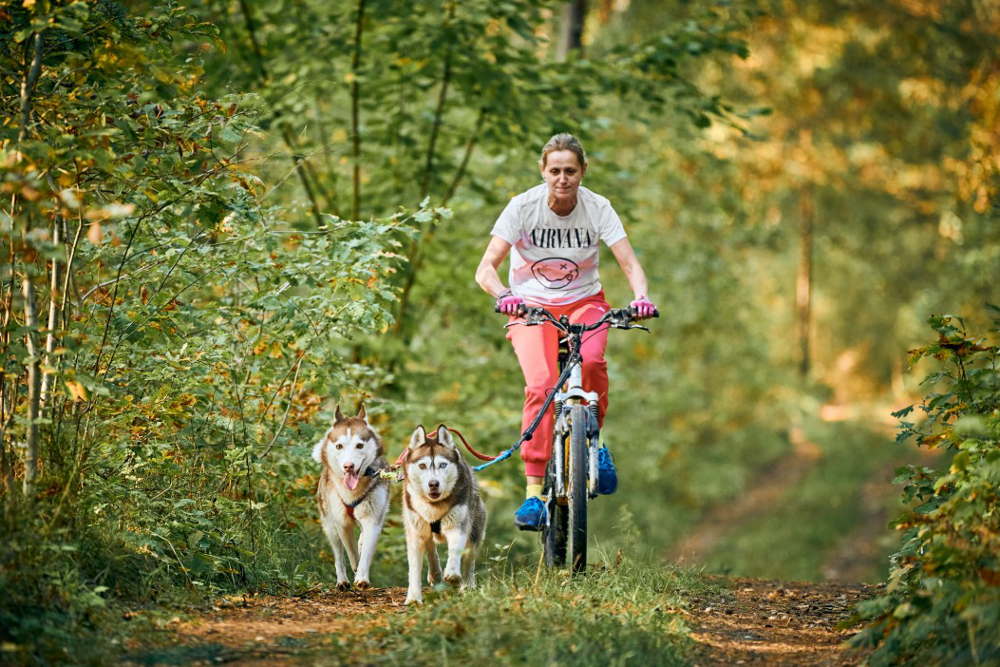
{"x": 536, "y": 349}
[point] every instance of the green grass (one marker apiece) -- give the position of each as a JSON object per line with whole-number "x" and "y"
{"x": 619, "y": 616}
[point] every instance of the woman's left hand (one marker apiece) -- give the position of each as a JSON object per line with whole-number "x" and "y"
{"x": 643, "y": 308}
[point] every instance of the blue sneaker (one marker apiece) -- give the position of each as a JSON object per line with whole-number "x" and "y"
{"x": 531, "y": 515}
{"x": 607, "y": 474}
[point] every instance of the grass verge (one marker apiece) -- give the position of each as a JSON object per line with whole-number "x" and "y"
{"x": 626, "y": 614}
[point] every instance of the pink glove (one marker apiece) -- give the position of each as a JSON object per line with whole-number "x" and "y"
{"x": 509, "y": 303}
{"x": 643, "y": 308}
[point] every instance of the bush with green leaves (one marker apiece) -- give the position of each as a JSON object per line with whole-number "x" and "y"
{"x": 942, "y": 602}
{"x": 167, "y": 339}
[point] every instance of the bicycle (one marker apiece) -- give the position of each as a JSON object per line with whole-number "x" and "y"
{"x": 571, "y": 477}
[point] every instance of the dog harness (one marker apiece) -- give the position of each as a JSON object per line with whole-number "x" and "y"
{"x": 369, "y": 472}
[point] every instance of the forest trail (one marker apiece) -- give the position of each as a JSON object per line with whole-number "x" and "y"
{"x": 274, "y": 630}
{"x": 750, "y": 621}
{"x": 768, "y": 487}
{"x": 776, "y": 623}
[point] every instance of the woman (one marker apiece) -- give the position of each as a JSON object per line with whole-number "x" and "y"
{"x": 554, "y": 230}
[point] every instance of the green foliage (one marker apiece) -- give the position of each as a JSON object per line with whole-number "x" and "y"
{"x": 943, "y": 596}
{"x": 196, "y": 334}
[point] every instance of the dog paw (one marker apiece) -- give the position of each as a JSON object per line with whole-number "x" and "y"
{"x": 453, "y": 578}
{"x": 343, "y": 585}
{"x": 414, "y": 599}
{"x": 361, "y": 584}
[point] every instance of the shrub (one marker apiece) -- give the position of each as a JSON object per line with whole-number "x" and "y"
{"x": 942, "y": 602}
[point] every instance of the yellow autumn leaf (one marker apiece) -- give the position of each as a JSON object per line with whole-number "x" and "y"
{"x": 94, "y": 234}
{"x": 76, "y": 390}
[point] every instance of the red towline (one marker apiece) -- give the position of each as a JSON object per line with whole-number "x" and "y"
{"x": 481, "y": 457}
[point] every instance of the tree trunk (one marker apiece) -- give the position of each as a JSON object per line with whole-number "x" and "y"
{"x": 803, "y": 283}
{"x": 265, "y": 78}
{"x": 571, "y": 28}
{"x": 7, "y": 391}
{"x": 50, "y": 334}
{"x": 355, "y": 113}
{"x": 30, "y": 311}
{"x": 34, "y": 383}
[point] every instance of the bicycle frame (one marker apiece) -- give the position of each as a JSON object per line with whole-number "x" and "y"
{"x": 569, "y": 394}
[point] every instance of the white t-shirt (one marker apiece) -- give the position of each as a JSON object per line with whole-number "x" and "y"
{"x": 553, "y": 259}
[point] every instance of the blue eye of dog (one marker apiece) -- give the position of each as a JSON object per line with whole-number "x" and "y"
{"x": 442, "y": 465}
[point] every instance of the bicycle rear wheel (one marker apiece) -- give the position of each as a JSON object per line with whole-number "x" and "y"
{"x": 577, "y": 491}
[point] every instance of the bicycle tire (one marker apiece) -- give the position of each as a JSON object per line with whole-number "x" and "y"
{"x": 554, "y": 534}
{"x": 577, "y": 491}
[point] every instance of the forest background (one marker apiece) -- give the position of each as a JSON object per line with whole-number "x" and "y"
{"x": 268, "y": 208}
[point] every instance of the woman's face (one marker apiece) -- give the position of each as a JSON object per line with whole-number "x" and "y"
{"x": 563, "y": 173}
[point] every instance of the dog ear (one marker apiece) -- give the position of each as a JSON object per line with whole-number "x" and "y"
{"x": 338, "y": 416}
{"x": 418, "y": 437}
{"x": 444, "y": 436}
{"x": 318, "y": 448}
{"x": 363, "y": 414}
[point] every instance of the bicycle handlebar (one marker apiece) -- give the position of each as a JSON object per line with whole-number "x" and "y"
{"x": 535, "y": 315}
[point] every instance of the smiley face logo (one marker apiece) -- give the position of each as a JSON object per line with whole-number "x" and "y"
{"x": 555, "y": 272}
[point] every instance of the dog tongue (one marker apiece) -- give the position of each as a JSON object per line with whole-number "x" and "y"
{"x": 351, "y": 480}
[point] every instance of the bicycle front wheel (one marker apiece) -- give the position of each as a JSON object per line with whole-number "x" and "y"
{"x": 554, "y": 534}
{"x": 577, "y": 490}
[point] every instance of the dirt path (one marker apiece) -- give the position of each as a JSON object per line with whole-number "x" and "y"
{"x": 853, "y": 557}
{"x": 752, "y": 621}
{"x": 272, "y": 630}
{"x": 771, "y": 485}
{"x": 775, "y": 623}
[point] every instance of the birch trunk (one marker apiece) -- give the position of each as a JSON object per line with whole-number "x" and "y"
{"x": 50, "y": 335}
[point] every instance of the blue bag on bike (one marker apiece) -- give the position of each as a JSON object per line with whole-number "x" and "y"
{"x": 607, "y": 475}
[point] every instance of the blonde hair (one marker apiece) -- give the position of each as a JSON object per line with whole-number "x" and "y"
{"x": 563, "y": 142}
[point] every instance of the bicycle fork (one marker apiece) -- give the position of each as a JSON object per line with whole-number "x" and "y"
{"x": 573, "y": 394}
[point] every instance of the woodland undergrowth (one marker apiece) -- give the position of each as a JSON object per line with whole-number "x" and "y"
{"x": 942, "y": 601}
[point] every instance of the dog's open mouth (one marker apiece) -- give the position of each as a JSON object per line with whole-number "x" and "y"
{"x": 351, "y": 480}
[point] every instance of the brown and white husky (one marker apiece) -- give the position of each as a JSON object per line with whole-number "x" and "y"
{"x": 352, "y": 493}
{"x": 441, "y": 503}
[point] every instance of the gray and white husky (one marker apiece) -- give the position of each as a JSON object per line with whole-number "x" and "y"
{"x": 352, "y": 493}
{"x": 441, "y": 503}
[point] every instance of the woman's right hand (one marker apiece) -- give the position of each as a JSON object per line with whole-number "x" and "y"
{"x": 509, "y": 303}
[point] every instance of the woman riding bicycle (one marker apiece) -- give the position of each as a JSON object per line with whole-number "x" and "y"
{"x": 554, "y": 230}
